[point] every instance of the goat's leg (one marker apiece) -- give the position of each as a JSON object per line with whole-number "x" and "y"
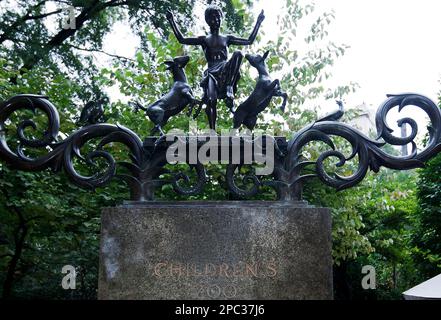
{"x": 198, "y": 110}
{"x": 275, "y": 85}
{"x": 154, "y": 130}
{"x": 280, "y": 93}
{"x": 238, "y": 120}
{"x": 137, "y": 106}
{"x": 192, "y": 103}
{"x": 190, "y": 108}
{"x": 156, "y": 115}
{"x": 277, "y": 92}
{"x": 161, "y": 124}
{"x": 157, "y": 128}
{"x": 189, "y": 95}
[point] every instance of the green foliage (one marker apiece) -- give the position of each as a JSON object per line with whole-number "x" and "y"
{"x": 427, "y": 239}
{"x": 373, "y": 224}
{"x": 59, "y": 222}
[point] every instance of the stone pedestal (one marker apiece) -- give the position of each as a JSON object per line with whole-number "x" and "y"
{"x": 215, "y": 250}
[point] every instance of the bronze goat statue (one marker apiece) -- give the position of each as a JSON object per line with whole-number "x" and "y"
{"x": 261, "y": 96}
{"x": 172, "y": 103}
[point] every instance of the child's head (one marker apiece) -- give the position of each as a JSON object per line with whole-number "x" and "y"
{"x": 213, "y": 16}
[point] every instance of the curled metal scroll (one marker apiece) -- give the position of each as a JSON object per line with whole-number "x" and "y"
{"x": 184, "y": 177}
{"x": 370, "y": 153}
{"x": 247, "y": 179}
{"x": 251, "y": 183}
{"x": 142, "y": 173}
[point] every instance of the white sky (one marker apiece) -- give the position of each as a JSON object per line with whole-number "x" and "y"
{"x": 394, "y": 46}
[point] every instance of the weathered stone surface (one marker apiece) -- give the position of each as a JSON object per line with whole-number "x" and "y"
{"x": 216, "y": 250}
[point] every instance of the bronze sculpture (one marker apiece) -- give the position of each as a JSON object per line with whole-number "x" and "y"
{"x": 336, "y": 115}
{"x": 261, "y": 96}
{"x": 179, "y": 97}
{"x": 93, "y": 112}
{"x": 221, "y": 77}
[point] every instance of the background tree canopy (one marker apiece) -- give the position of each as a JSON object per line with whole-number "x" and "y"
{"x": 391, "y": 221}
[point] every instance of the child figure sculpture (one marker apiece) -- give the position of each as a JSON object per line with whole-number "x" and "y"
{"x": 221, "y": 77}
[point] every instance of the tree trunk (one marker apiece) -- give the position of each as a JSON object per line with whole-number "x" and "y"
{"x": 342, "y": 288}
{"x": 20, "y": 236}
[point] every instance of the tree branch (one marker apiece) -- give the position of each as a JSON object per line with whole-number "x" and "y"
{"x": 5, "y": 35}
{"x": 69, "y": 3}
{"x": 44, "y": 15}
{"x": 58, "y": 39}
{"x": 101, "y": 51}
{"x": 115, "y": 3}
{"x": 20, "y": 236}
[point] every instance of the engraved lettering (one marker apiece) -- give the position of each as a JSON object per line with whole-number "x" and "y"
{"x": 157, "y": 269}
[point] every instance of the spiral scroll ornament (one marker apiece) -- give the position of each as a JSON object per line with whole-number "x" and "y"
{"x": 369, "y": 152}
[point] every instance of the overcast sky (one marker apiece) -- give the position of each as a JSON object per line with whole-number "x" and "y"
{"x": 395, "y": 46}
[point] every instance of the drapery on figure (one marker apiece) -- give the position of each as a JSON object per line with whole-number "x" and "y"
{"x": 221, "y": 77}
